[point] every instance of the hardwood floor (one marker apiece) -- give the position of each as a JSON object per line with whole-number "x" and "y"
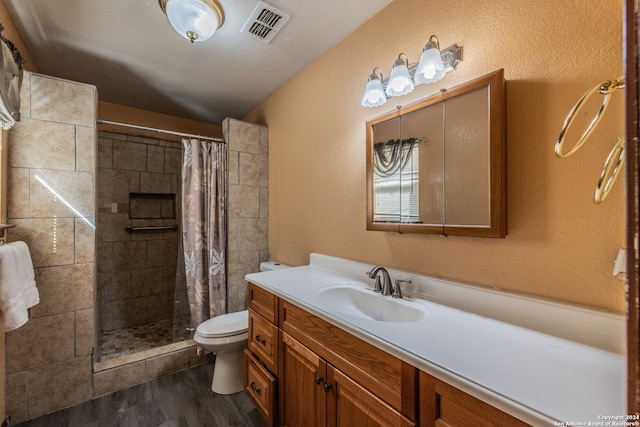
{"x": 183, "y": 399}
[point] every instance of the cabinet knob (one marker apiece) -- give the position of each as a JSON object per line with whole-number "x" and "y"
{"x": 319, "y": 380}
{"x": 254, "y": 388}
{"x": 327, "y": 387}
{"x": 261, "y": 340}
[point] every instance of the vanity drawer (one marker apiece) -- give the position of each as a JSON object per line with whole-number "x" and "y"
{"x": 263, "y": 340}
{"x": 260, "y": 386}
{"x": 263, "y": 302}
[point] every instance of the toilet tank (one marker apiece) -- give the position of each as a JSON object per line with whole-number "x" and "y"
{"x": 272, "y": 265}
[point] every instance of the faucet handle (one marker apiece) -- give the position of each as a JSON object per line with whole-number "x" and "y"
{"x": 397, "y": 291}
{"x": 377, "y": 287}
{"x": 373, "y": 273}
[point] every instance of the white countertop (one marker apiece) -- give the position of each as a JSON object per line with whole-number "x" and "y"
{"x": 536, "y": 377}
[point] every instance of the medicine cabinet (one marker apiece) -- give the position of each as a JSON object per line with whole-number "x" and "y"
{"x": 439, "y": 166}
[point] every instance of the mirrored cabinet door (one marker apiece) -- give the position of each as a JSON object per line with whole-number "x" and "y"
{"x": 467, "y": 160}
{"x": 425, "y": 126}
{"x": 387, "y": 172}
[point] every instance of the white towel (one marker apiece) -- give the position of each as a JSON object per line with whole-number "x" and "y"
{"x": 18, "y": 290}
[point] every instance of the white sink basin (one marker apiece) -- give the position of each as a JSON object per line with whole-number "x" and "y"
{"x": 364, "y": 303}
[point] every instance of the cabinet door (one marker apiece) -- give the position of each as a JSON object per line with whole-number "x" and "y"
{"x": 444, "y": 405}
{"x": 349, "y": 404}
{"x": 384, "y": 375}
{"x": 303, "y": 379}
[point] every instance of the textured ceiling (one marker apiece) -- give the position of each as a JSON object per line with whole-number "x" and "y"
{"x": 128, "y": 49}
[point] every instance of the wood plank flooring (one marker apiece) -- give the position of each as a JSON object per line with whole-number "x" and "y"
{"x": 183, "y": 399}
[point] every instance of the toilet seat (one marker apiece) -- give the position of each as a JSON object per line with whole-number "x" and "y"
{"x": 224, "y": 326}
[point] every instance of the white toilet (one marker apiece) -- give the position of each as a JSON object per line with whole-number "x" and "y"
{"x": 226, "y": 336}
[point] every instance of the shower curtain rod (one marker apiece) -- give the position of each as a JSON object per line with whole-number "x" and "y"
{"x": 170, "y": 132}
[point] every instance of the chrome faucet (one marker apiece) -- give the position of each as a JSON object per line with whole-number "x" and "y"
{"x": 385, "y": 286}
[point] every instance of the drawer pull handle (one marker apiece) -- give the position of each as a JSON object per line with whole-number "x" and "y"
{"x": 319, "y": 380}
{"x": 254, "y": 388}
{"x": 260, "y": 340}
{"x": 327, "y": 387}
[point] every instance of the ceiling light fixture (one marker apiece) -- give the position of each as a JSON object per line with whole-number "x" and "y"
{"x": 195, "y": 20}
{"x": 433, "y": 66}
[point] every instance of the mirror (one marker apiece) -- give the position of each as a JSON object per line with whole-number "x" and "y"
{"x": 439, "y": 166}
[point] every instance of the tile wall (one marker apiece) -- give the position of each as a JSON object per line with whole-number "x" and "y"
{"x": 136, "y": 271}
{"x": 248, "y": 215}
{"x": 51, "y": 199}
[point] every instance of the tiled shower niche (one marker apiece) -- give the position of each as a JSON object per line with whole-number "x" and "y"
{"x": 152, "y": 206}
{"x": 137, "y": 236}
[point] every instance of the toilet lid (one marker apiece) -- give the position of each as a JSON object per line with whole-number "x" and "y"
{"x": 225, "y": 325}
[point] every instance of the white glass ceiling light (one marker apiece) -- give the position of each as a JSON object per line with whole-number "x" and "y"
{"x": 195, "y": 20}
{"x": 374, "y": 93}
{"x": 431, "y": 68}
{"x": 400, "y": 82}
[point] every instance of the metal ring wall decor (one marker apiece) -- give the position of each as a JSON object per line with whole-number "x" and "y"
{"x": 615, "y": 160}
{"x": 612, "y": 167}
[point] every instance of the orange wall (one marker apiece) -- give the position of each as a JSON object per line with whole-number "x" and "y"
{"x": 559, "y": 245}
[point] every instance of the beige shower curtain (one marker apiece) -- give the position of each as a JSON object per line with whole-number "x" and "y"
{"x": 204, "y": 230}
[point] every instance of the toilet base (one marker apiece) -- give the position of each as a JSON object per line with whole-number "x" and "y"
{"x": 228, "y": 373}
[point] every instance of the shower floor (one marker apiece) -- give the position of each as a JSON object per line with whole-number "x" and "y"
{"x": 127, "y": 341}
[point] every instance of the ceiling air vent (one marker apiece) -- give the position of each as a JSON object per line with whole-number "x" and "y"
{"x": 265, "y": 22}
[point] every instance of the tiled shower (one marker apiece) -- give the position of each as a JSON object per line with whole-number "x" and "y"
{"x": 138, "y": 212}
{"x": 51, "y": 361}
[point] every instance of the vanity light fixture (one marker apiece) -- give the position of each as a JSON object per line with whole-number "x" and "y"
{"x": 400, "y": 82}
{"x": 433, "y": 66}
{"x": 195, "y": 20}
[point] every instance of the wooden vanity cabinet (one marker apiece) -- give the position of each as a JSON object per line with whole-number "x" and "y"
{"x": 443, "y": 405}
{"x": 306, "y": 372}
